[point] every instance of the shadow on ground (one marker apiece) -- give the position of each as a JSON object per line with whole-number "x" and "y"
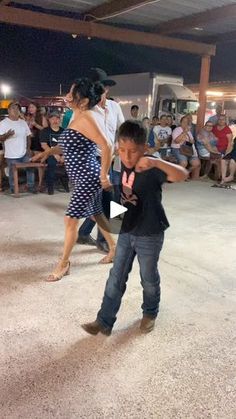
{"x": 79, "y": 364}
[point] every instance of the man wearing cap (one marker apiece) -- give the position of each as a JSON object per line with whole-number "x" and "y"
{"x": 108, "y": 115}
{"x": 16, "y": 135}
{"x": 49, "y": 138}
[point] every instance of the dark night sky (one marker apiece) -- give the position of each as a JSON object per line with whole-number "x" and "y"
{"x": 36, "y": 62}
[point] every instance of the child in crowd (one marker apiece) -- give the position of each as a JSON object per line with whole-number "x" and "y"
{"x": 142, "y": 231}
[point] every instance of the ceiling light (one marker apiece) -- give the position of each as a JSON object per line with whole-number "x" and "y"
{"x": 198, "y": 29}
{"x": 6, "y": 90}
{"x": 212, "y": 93}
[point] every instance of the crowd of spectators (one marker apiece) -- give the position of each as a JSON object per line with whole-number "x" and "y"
{"x": 210, "y": 152}
{"x": 23, "y": 136}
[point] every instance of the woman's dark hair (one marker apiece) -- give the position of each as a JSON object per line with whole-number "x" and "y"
{"x": 132, "y": 130}
{"x": 85, "y": 88}
{"x": 38, "y": 115}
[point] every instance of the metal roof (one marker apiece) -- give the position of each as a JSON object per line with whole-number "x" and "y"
{"x": 166, "y": 10}
{"x": 147, "y": 15}
{"x": 64, "y": 5}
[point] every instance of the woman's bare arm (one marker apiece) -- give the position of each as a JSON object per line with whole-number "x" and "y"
{"x": 230, "y": 143}
{"x": 181, "y": 138}
{"x": 207, "y": 145}
{"x": 39, "y": 126}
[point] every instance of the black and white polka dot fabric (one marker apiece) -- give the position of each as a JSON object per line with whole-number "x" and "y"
{"x": 83, "y": 170}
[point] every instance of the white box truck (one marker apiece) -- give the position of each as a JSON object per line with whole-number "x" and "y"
{"x": 155, "y": 94}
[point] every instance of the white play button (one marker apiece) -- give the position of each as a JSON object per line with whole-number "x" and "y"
{"x": 116, "y": 209}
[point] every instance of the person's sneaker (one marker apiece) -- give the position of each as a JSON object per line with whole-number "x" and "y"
{"x": 86, "y": 240}
{"x": 103, "y": 246}
{"x": 94, "y": 328}
{"x": 147, "y": 324}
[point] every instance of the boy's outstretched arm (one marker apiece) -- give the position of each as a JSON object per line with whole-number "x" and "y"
{"x": 174, "y": 173}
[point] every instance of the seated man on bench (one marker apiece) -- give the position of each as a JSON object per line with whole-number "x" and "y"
{"x": 49, "y": 138}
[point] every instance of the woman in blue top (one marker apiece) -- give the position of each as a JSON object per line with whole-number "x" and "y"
{"x": 206, "y": 146}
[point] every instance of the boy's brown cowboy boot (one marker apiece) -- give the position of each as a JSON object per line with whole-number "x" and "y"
{"x": 147, "y": 324}
{"x": 94, "y": 328}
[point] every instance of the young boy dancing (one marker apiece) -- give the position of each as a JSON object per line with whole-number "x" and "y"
{"x": 142, "y": 230}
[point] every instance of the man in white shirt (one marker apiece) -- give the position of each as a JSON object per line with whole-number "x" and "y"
{"x": 108, "y": 116}
{"x": 162, "y": 134}
{"x": 15, "y": 134}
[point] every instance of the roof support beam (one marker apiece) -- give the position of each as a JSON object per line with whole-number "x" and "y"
{"x": 110, "y": 8}
{"x": 220, "y": 38}
{"x": 37, "y": 20}
{"x": 4, "y": 2}
{"x": 196, "y": 20}
{"x": 204, "y": 80}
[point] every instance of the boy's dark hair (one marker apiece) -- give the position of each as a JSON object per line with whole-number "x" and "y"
{"x": 132, "y": 130}
{"x": 134, "y": 107}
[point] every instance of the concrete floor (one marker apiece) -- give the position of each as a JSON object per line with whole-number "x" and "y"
{"x": 186, "y": 368}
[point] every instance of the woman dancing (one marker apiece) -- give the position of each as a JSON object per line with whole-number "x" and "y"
{"x": 79, "y": 144}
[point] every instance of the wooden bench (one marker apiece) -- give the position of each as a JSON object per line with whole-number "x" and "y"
{"x": 17, "y": 166}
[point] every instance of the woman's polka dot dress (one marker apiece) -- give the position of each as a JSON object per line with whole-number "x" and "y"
{"x": 83, "y": 170}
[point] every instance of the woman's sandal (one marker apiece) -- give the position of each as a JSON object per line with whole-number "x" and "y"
{"x": 109, "y": 257}
{"x": 58, "y": 276}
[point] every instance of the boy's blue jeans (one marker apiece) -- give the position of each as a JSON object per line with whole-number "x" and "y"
{"x": 147, "y": 249}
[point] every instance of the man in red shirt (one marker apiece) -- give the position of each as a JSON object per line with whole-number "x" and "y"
{"x": 224, "y": 144}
